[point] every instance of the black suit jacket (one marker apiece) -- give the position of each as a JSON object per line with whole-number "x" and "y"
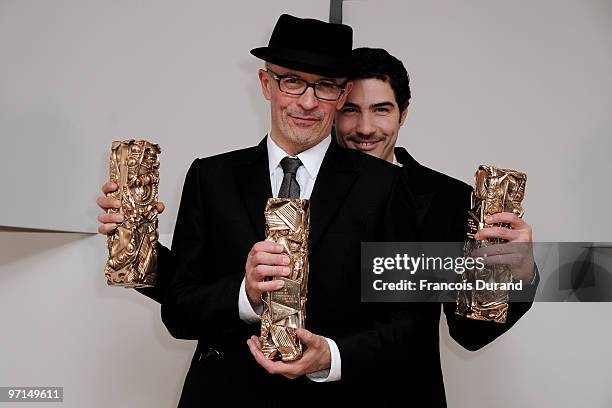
{"x": 395, "y": 362}
{"x": 356, "y": 198}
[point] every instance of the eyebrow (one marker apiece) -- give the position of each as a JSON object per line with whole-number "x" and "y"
{"x": 383, "y": 105}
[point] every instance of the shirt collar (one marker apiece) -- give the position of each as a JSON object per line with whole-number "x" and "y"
{"x": 396, "y": 162}
{"x": 311, "y": 158}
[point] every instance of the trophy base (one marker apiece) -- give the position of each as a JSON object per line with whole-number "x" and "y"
{"x": 129, "y": 279}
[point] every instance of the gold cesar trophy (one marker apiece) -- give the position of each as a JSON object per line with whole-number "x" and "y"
{"x": 132, "y": 256}
{"x": 284, "y": 310}
{"x": 497, "y": 190}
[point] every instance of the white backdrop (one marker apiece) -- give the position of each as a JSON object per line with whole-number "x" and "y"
{"x": 521, "y": 84}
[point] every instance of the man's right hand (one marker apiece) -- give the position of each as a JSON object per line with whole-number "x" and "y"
{"x": 108, "y": 222}
{"x": 265, "y": 260}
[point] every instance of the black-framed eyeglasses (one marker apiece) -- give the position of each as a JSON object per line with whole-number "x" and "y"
{"x": 293, "y": 85}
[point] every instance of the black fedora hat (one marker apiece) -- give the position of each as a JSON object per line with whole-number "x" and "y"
{"x": 309, "y": 45}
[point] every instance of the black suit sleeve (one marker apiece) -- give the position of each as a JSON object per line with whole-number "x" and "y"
{"x": 198, "y": 301}
{"x": 475, "y": 334}
{"x": 165, "y": 274}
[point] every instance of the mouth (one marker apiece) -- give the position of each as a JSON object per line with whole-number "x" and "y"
{"x": 364, "y": 145}
{"x": 304, "y": 121}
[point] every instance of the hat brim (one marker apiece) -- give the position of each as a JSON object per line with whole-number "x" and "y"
{"x": 312, "y": 63}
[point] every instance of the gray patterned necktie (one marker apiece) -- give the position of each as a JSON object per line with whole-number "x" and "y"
{"x": 290, "y": 187}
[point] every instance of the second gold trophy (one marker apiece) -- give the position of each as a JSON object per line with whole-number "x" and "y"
{"x": 284, "y": 310}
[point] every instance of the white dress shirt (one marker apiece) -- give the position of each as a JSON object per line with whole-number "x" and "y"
{"x": 306, "y": 176}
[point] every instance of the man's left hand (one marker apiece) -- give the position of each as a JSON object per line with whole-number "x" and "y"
{"x": 517, "y": 252}
{"x": 316, "y": 357}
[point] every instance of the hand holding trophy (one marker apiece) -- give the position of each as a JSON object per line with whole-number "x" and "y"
{"x": 134, "y": 168}
{"x": 496, "y": 191}
{"x": 284, "y": 310}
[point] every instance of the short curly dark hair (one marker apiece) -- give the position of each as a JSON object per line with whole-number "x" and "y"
{"x": 378, "y": 63}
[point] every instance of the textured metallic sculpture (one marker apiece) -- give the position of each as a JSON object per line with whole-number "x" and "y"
{"x": 497, "y": 190}
{"x": 132, "y": 259}
{"x": 284, "y": 310}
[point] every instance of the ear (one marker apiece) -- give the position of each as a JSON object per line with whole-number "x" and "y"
{"x": 403, "y": 116}
{"x": 347, "y": 88}
{"x": 264, "y": 79}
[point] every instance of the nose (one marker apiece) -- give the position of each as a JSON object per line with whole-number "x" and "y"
{"x": 365, "y": 127}
{"x": 308, "y": 100}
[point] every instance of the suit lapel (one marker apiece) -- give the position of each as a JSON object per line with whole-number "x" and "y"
{"x": 252, "y": 177}
{"x": 334, "y": 181}
{"x": 423, "y": 196}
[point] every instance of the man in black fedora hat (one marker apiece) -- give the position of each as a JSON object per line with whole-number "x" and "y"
{"x": 222, "y": 261}
{"x": 222, "y": 264}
